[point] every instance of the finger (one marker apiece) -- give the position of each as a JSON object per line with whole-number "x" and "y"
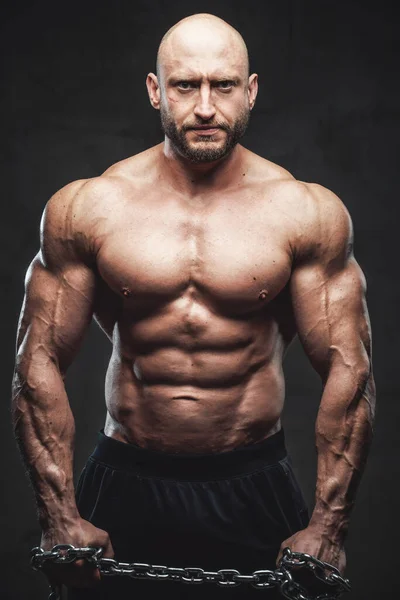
{"x": 79, "y": 574}
{"x": 82, "y": 574}
{"x": 284, "y": 545}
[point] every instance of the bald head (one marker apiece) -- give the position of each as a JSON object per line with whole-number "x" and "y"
{"x": 202, "y": 79}
{"x": 200, "y": 36}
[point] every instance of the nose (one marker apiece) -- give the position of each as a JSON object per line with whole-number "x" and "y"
{"x": 204, "y": 108}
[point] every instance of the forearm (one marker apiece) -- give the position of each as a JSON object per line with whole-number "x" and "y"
{"x": 343, "y": 437}
{"x": 44, "y": 428}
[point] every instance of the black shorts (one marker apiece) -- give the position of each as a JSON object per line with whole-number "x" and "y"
{"x": 228, "y": 510}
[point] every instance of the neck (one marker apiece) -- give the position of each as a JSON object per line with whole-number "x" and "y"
{"x": 193, "y": 178}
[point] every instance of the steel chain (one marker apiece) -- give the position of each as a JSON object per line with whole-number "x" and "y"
{"x": 282, "y": 577}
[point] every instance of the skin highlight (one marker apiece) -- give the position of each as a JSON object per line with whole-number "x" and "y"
{"x": 201, "y": 262}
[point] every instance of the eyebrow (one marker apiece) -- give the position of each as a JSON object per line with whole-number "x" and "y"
{"x": 173, "y": 80}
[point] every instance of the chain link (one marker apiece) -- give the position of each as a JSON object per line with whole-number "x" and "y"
{"x": 282, "y": 577}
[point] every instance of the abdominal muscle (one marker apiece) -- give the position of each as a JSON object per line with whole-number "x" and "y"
{"x": 209, "y": 389}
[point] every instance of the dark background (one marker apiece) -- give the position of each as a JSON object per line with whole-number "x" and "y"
{"x": 74, "y": 102}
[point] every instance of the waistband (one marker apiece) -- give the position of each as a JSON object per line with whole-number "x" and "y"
{"x": 143, "y": 461}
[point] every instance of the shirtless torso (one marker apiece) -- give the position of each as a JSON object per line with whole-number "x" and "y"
{"x": 193, "y": 292}
{"x": 198, "y": 338}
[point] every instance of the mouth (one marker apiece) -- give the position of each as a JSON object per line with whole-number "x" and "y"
{"x": 205, "y": 130}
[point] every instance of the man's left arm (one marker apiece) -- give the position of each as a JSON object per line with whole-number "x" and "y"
{"x": 328, "y": 294}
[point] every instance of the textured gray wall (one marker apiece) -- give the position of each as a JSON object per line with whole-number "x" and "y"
{"x": 75, "y": 102}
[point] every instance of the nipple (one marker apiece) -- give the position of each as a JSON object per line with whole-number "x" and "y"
{"x": 126, "y": 292}
{"x": 263, "y": 294}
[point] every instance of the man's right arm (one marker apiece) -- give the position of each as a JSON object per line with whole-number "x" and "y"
{"x": 57, "y": 310}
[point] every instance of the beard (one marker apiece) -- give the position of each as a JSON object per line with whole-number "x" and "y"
{"x": 205, "y": 150}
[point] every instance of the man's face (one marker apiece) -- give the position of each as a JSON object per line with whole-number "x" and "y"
{"x": 201, "y": 138}
{"x": 204, "y": 104}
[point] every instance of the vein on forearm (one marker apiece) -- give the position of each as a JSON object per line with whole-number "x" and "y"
{"x": 343, "y": 436}
{"x": 44, "y": 430}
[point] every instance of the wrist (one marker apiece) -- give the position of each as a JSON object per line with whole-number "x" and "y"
{"x": 331, "y": 524}
{"x": 60, "y": 516}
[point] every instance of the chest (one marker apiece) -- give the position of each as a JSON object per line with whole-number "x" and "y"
{"x": 229, "y": 254}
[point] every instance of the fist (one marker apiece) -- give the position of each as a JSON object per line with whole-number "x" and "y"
{"x": 311, "y": 541}
{"x": 79, "y": 533}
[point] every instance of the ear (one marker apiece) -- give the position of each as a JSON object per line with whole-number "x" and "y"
{"x": 153, "y": 90}
{"x": 253, "y": 89}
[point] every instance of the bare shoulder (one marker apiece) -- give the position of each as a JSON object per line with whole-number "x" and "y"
{"x": 327, "y": 229}
{"x": 327, "y": 205}
{"x": 311, "y": 204}
{"x": 58, "y": 221}
{"x": 278, "y": 185}
{"x": 71, "y": 217}
{"x": 311, "y": 200}
{"x": 62, "y": 201}
{"x": 65, "y": 228}
{"x": 81, "y": 197}
{"x": 106, "y": 194}
{"x": 315, "y": 218}
{"x": 330, "y": 220}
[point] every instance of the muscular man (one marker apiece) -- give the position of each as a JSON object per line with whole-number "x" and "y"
{"x": 200, "y": 261}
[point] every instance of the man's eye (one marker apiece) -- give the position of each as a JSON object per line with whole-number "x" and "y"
{"x": 185, "y": 85}
{"x": 225, "y": 85}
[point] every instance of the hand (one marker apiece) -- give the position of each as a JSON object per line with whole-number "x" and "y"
{"x": 79, "y": 533}
{"x": 318, "y": 544}
{"x": 312, "y": 541}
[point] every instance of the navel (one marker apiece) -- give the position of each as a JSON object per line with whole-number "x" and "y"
{"x": 126, "y": 292}
{"x": 263, "y": 294}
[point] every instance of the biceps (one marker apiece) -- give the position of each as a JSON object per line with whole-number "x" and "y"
{"x": 56, "y": 312}
{"x": 332, "y": 317}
